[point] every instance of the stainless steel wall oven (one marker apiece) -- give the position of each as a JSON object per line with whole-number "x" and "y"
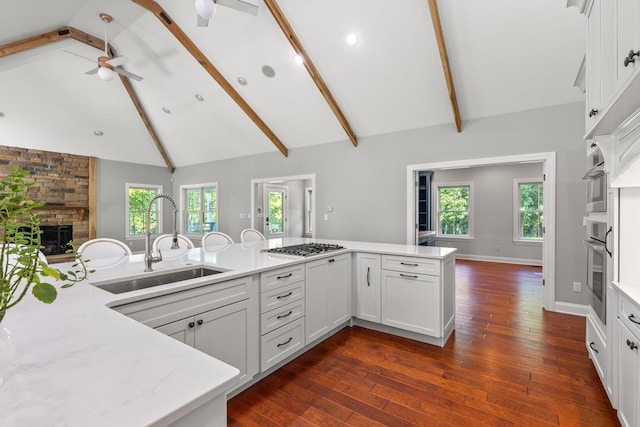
{"x": 597, "y": 253}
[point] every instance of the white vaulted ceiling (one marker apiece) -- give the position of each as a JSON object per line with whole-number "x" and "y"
{"x": 505, "y": 56}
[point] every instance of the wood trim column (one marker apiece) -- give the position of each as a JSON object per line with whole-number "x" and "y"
{"x": 93, "y": 197}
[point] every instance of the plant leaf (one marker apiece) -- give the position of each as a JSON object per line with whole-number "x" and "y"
{"x": 45, "y": 292}
{"x": 51, "y": 272}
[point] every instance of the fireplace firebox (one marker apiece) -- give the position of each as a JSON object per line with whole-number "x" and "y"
{"x": 55, "y": 238}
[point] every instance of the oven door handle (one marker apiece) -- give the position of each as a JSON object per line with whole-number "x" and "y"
{"x": 606, "y": 247}
{"x": 595, "y": 246}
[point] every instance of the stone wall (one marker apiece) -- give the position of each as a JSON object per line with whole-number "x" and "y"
{"x": 61, "y": 180}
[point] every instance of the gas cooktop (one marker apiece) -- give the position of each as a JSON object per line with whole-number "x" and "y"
{"x": 305, "y": 249}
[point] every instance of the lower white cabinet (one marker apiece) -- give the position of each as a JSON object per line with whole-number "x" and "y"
{"x": 281, "y": 343}
{"x": 411, "y": 301}
{"x": 327, "y": 295}
{"x": 597, "y": 348}
{"x": 628, "y": 377}
{"x": 225, "y": 333}
{"x": 368, "y": 292}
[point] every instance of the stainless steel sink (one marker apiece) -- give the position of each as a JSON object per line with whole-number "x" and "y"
{"x": 128, "y": 285}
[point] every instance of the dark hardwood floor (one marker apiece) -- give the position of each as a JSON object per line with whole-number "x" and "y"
{"x": 509, "y": 362}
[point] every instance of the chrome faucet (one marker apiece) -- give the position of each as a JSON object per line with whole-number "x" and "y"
{"x": 149, "y": 258}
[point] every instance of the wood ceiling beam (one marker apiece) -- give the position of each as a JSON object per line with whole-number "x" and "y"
{"x": 80, "y": 36}
{"x": 286, "y": 28}
{"x": 444, "y": 58}
{"x": 180, "y": 35}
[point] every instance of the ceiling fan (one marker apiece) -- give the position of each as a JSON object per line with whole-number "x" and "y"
{"x": 207, "y": 8}
{"x": 108, "y": 67}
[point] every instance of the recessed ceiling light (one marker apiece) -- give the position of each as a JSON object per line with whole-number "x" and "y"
{"x": 1, "y": 114}
{"x": 98, "y": 133}
{"x": 242, "y": 81}
{"x": 268, "y": 71}
{"x": 199, "y": 97}
{"x": 166, "y": 110}
{"x": 298, "y": 59}
{"x": 352, "y": 39}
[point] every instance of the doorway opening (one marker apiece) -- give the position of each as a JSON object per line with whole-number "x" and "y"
{"x": 547, "y": 160}
{"x": 284, "y": 206}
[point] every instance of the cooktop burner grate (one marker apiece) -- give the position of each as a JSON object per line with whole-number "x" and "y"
{"x": 305, "y": 249}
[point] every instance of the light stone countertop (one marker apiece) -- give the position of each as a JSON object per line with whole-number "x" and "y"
{"x": 79, "y": 363}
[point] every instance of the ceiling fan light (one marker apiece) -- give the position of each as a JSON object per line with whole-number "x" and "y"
{"x": 105, "y": 73}
{"x": 206, "y": 8}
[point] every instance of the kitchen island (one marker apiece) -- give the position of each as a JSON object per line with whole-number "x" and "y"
{"x": 79, "y": 362}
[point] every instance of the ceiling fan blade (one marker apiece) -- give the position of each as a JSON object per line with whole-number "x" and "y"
{"x": 202, "y": 22}
{"x": 95, "y": 70}
{"x": 125, "y": 73}
{"x": 118, "y": 60}
{"x": 240, "y": 5}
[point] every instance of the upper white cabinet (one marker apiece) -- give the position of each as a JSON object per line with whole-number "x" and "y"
{"x": 613, "y": 65}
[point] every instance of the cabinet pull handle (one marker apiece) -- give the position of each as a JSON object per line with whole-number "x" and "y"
{"x": 409, "y": 264}
{"x": 286, "y": 342}
{"x": 285, "y": 315}
{"x": 200, "y": 322}
{"x": 409, "y": 276}
{"x": 192, "y": 324}
{"x": 332, "y": 260}
{"x": 284, "y": 296}
{"x": 368, "y": 271}
{"x": 632, "y": 345}
{"x": 609, "y": 231}
{"x": 593, "y": 145}
{"x": 285, "y": 276}
{"x": 592, "y": 347}
{"x": 631, "y": 317}
{"x": 593, "y": 112}
{"x": 631, "y": 57}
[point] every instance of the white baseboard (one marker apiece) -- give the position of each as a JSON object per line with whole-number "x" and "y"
{"x": 571, "y": 308}
{"x": 506, "y": 260}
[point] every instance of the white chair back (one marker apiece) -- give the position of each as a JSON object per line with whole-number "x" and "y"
{"x": 164, "y": 241}
{"x": 216, "y": 239}
{"x": 104, "y": 252}
{"x": 251, "y": 235}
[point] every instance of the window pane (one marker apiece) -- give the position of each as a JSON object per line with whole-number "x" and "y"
{"x": 193, "y": 199}
{"x": 139, "y": 198}
{"x": 531, "y": 210}
{"x": 275, "y": 212}
{"x": 531, "y": 225}
{"x": 210, "y": 195}
{"x": 454, "y": 210}
{"x": 193, "y": 222}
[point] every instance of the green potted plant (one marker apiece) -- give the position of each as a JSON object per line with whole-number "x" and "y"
{"x": 23, "y": 269}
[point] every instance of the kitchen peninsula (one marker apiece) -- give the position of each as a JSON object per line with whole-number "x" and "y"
{"x": 80, "y": 361}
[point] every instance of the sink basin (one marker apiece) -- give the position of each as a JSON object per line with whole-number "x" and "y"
{"x": 128, "y": 285}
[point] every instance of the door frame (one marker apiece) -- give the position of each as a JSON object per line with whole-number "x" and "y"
{"x": 281, "y": 180}
{"x": 548, "y": 161}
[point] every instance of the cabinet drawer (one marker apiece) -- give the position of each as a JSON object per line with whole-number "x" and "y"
{"x": 275, "y": 318}
{"x": 278, "y": 297}
{"x": 165, "y": 309}
{"x": 411, "y": 265}
{"x": 281, "y": 277}
{"x": 597, "y": 348}
{"x": 281, "y": 343}
{"x": 630, "y": 314}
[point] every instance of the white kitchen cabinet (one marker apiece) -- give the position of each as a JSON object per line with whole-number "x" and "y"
{"x": 597, "y": 348}
{"x": 220, "y": 319}
{"x": 628, "y": 377}
{"x": 626, "y": 29}
{"x": 226, "y": 333}
{"x": 327, "y": 295}
{"x": 368, "y": 292}
{"x": 593, "y": 102}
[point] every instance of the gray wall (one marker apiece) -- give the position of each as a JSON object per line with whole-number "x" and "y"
{"x": 366, "y": 185}
{"x": 493, "y": 207}
{"x": 111, "y": 179}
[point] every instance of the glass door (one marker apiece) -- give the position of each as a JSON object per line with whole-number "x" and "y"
{"x": 275, "y": 211}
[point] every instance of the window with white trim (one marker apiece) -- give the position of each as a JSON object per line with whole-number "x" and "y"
{"x": 455, "y": 209}
{"x": 138, "y": 198}
{"x": 528, "y": 221}
{"x": 200, "y": 208}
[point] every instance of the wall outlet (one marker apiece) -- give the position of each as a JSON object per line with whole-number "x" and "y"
{"x": 498, "y": 248}
{"x": 577, "y": 287}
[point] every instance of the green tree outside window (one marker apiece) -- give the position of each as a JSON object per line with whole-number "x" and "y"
{"x": 531, "y": 209}
{"x": 139, "y": 198}
{"x": 453, "y": 210}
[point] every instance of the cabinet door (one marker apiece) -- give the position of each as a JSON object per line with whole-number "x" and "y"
{"x": 411, "y": 302}
{"x": 627, "y": 21}
{"x": 593, "y": 64}
{"x": 368, "y": 287}
{"x": 230, "y": 334}
{"x": 628, "y": 379}
{"x": 327, "y": 295}
{"x": 181, "y": 330}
